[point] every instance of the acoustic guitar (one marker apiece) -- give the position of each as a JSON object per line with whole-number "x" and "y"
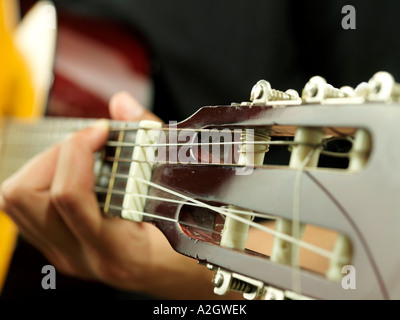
{"x": 206, "y": 180}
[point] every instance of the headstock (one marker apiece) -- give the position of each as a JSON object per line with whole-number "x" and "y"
{"x": 337, "y": 172}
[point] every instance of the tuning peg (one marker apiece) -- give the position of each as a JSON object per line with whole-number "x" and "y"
{"x": 262, "y": 92}
{"x": 348, "y": 91}
{"x": 317, "y": 89}
{"x": 362, "y": 89}
{"x": 382, "y": 87}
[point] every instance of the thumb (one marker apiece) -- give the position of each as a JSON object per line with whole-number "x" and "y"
{"x": 125, "y": 107}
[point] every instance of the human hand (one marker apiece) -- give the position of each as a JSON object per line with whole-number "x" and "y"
{"x": 51, "y": 200}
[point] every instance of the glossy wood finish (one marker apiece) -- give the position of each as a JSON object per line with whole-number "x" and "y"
{"x": 335, "y": 199}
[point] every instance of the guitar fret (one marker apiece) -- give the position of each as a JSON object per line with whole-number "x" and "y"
{"x": 113, "y": 172}
{"x": 109, "y": 171}
{"x": 21, "y": 140}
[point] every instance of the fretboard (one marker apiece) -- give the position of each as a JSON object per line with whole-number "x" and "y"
{"x": 21, "y": 140}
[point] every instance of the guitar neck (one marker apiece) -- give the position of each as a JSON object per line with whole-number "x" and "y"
{"x": 21, "y": 140}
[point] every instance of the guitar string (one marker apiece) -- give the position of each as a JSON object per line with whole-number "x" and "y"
{"x": 358, "y": 232}
{"x": 206, "y": 130}
{"x": 36, "y": 129}
{"x": 68, "y": 125}
{"x": 296, "y": 227}
{"x": 203, "y": 161}
{"x": 311, "y": 247}
{"x": 169, "y": 129}
{"x": 296, "y": 278}
{"x": 301, "y": 243}
{"x": 133, "y": 194}
{"x": 148, "y": 145}
{"x": 113, "y": 143}
{"x": 37, "y": 148}
{"x": 43, "y": 128}
{"x": 295, "y": 210}
{"x": 158, "y": 217}
{"x": 296, "y": 284}
{"x": 51, "y": 124}
{"x": 336, "y": 154}
{"x": 296, "y": 203}
{"x": 43, "y": 145}
{"x": 33, "y": 148}
{"x": 273, "y": 142}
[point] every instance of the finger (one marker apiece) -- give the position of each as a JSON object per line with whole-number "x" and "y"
{"x": 124, "y": 107}
{"x": 24, "y": 191}
{"x": 72, "y": 187}
{"x": 36, "y": 175}
{"x": 25, "y": 198}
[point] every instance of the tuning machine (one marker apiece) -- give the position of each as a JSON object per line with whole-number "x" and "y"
{"x": 225, "y": 281}
{"x": 263, "y": 94}
{"x": 383, "y": 88}
{"x": 318, "y": 91}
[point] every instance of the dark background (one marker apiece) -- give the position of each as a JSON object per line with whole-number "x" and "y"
{"x": 212, "y": 52}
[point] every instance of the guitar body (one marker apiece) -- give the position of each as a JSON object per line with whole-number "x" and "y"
{"x": 17, "y": 92}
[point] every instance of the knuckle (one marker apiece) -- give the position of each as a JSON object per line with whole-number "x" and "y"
{"x": 62, "y": 196}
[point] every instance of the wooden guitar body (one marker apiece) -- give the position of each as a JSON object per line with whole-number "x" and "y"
{"x": 20, "y": 97}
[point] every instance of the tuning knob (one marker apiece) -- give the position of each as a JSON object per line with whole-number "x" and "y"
{"x": 262, "y": 93}
{"x": 317, "y": 89}
{"x": 382, "y": 87}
